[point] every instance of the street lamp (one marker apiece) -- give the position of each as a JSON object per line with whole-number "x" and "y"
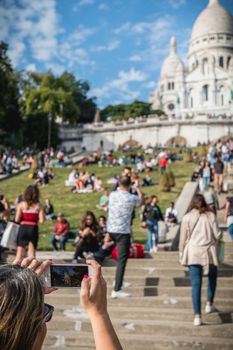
{"x": 49, "y": 129}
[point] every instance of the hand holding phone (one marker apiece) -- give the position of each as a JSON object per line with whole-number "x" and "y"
{"x": 66, "y": 275}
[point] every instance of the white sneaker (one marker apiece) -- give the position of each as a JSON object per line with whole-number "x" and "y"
{"x": 124, "y": 285}
{"x": 197, "y": 321}
{"x": 155, "y": 249}
{"x": 120, "y": 294}
{"x": 210, "y": 308}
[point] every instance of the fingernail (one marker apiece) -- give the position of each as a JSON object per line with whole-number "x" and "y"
{"x": 85, "y": 277}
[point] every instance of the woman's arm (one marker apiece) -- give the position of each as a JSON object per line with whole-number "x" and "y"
{"x": 183, "y": 235}
{"x": 18, "y": 214}
{"x": 93, "y": 297}
{"x": 41, "y": 216}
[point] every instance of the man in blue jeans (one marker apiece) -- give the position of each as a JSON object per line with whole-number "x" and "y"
{"x": 120, "y": 209}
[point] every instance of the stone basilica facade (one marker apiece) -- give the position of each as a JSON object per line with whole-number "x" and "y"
{"x": 206, "y": 84}
{"x": 197, "y": 98}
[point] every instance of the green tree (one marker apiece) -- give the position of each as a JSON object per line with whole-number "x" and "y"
{"x": 62, "y": 96}
{"x": 35, "y": 131}
{"x": 10, "y": 118}
{"x": 124, "y": 111}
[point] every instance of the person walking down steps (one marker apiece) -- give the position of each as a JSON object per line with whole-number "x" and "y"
{"x": 199, "y": 238}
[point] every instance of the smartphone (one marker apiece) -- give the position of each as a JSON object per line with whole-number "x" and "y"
{"x": 66, "y": 275}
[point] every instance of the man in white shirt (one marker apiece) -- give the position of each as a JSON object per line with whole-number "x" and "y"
{"x": 121, "y": 206}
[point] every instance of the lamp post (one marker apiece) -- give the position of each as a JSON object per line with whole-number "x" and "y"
{"x": 49, "y": 129}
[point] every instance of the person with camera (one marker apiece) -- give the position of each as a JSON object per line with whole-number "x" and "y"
{"x": 121, "y": 207}
{"x": 24, "y": 314}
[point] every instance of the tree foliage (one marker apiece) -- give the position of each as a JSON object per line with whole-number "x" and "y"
{"x": 62, "y": 96}
{"x": 124, "y": 111}
{"x": 10, "y": 118}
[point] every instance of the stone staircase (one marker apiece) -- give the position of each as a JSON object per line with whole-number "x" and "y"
{"x": 158, "y": 316}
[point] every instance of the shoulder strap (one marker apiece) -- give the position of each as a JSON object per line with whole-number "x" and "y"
{"x": 191, "y": 232}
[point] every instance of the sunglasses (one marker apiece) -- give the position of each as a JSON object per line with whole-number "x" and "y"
{"x": 48, "y": 312}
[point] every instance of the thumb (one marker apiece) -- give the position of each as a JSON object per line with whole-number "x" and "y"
{"x": 85, "y": 291}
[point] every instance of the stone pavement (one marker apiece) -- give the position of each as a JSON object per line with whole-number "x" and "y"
{"x": 159, "y": 314}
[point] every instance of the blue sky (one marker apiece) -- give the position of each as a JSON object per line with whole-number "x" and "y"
{"x": 117, "y": 45}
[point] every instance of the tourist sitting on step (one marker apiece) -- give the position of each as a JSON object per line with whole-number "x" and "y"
{"x": 24, "y": 313}
{"x": 89, "y": 237}
{"x": 61, "y": 232}
{"x": 199, "y": 236}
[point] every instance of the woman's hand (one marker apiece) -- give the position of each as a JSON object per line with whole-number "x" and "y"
{"x": 39, "y": 268}
{"x": 93, "y": 295}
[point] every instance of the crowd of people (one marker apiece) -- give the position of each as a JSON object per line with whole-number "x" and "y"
{"x": 97, "y": 237}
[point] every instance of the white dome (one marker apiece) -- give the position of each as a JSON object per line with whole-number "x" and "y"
{"x": 172, "y": 62}
{"x": 214, "y": 19}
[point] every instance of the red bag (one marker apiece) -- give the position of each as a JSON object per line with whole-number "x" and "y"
{"x": 136, "y": 252}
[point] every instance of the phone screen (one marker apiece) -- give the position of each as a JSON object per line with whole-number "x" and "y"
{"x": 67, "y": 275}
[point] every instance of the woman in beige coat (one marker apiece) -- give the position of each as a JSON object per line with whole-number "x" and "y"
{"x": 199, "y": 237}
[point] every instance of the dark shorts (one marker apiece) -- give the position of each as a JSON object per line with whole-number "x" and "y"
{"x": 28, "y": 233}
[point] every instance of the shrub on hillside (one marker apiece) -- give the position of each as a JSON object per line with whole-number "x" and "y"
{"x": 171, "y": 178}
{"x": 164, "y": 183}
{"x": 188, "y": 157}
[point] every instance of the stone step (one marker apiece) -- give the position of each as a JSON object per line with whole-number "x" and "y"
{"x": 140, "y": 291}
{"x": 223, "y": 282}
{"x": 143, "y": 313}
{"x": 139, "y": 342}
{"x": 157, "y": 262}
{"x": 226, "y": 271}
{"x": 155, "y": 327}
{"x": 154, "y": 301}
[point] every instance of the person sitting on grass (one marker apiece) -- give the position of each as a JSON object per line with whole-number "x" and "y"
{"x": 89, "y": 236}
{"x": 49, "y": 210}
{"x": 61, "y": 232}
{"x": 103, "y": 203}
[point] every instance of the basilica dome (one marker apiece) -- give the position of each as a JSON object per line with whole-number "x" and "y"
{"x": 215, "y": 19}
{"x": 172, "y": 62}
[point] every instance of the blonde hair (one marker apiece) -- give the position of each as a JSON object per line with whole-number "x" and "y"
{"x": 21, "y": 307}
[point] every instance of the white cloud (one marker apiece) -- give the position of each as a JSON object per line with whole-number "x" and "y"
{"x": 56, "y": 68}
{"x": 31, "y": 22}
{"x": 150, "y": 85}
{"x": 31, "y": 67}
{"x": 120, "y": 88}
{"x": 83, "y": 3}
{"x": 135, "y": 58}
{"x": 103, "y": 6}
{"x": 175, "y": 4}
{"x": 81, "y": 34}
{"x": 112, "y": 45}
{"x": 123, "y": 28}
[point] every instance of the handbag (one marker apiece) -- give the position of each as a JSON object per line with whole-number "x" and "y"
{"x": 9, "y": 238}
{"x": 221, "y": 250}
